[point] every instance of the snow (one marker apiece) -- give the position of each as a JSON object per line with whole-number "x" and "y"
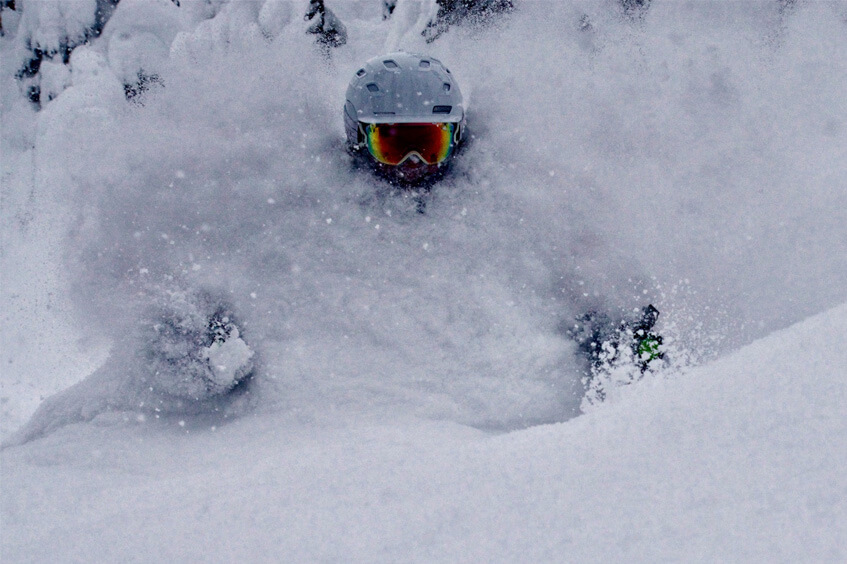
{"x": 414, "y": 394}
{"x": 229, "y": 360}
{"x": 740, "y": 459}
{"x": 50, "y": 26}
{"x": 139, "y": 35}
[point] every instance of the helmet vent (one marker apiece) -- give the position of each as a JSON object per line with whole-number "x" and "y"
{"x": 442, "y": 109}
{"x": 447, "y": 87}
{"x": 372, "y": 87}
{"x": 389, "y": 64}
{"x": 424, "y": 64}
{"x": 361, "y": 72}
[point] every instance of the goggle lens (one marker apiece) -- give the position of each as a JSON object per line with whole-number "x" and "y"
{"x": 393, "y": 143}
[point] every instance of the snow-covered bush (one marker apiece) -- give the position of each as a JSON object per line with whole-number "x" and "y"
{"x": 138, "y": 39}
{"x": 47, "y": 33}
{"x": 55, "y": 77}
{"x": 135, "y": 35}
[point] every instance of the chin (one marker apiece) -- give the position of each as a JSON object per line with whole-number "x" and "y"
{"x": 412, "y": 175}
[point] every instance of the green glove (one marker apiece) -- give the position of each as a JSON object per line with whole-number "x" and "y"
{"x": 648, "y": 348}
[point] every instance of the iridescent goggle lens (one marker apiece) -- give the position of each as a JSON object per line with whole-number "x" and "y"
{"x": 393, "y": 143}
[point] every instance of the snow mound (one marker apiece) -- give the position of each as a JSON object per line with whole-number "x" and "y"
{"x": 738, "y": 460}
{"x": 185, "y": 356}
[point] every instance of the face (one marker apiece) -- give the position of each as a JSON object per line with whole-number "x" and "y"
{"x": 414, "y": 171}
{"x": 411, "y": 172}
{"x": 410, "y": 153}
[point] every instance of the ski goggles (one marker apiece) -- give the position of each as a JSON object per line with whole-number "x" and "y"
{"x": 393, "y": 143}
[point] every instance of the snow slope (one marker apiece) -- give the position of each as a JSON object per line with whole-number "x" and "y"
{"x": 739, "y": 460}
{"x": 694, "y": 157}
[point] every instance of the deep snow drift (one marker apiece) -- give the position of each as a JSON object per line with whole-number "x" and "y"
{"x": 738, "y": 460}
{"x": 694, "y": 158}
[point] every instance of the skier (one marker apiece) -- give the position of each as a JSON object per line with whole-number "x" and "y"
{"x": 404, "y": 117}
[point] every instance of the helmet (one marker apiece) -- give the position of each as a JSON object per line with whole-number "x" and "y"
{"x": 404, "y": 113}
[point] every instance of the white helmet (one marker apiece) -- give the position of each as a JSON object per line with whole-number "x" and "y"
{"x": 402, "y": 88}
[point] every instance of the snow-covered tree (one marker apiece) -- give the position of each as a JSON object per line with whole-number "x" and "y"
{"x": 388, "y": 8}
{"x": 475, "y": 12}
{"x": 635, "y": 8}
{"x": 48, "y": 32}
{"x": 326, "y": 26}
